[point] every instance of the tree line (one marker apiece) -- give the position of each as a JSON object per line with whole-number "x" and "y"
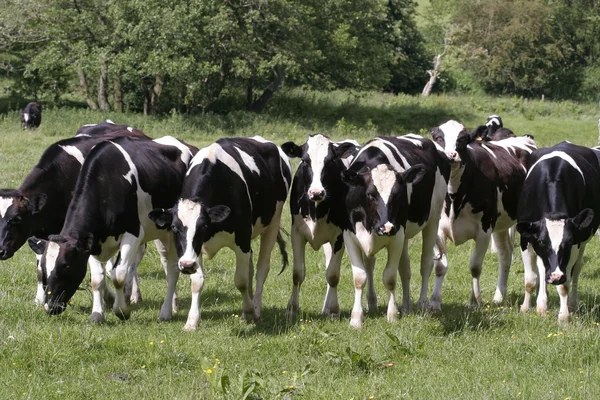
{"x": 195, "y": 55}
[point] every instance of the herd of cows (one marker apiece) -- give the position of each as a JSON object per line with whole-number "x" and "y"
{"x": 99, "y": 197}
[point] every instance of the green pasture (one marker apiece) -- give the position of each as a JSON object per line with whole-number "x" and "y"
{"x": 491, "y": 353}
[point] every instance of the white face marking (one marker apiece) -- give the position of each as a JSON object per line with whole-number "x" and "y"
{"x": 130, "y": 129}
{"x": 451, "y": 130}
{"x": 75, "y": 152}
{"x": 556, "y": 231}
{"x": 557, "y": 154}
{"x": 51, "y": 256}
{"x": 186, "y": 154}
{"x": 493, "y": 120}
{"x": 318, "y": 148}
{"x": 384, "y": 180}
{"x": 26, "y": 116}
{"x": 188, "y": 213}
{"x": 248, "y": 161}
{"x": 5, "y": 202}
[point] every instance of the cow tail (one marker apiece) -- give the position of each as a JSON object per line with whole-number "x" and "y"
{"x": 282, "y": 250}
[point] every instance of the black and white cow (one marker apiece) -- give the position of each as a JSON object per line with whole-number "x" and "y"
{"x": 559, "y": 212}
{"x": 397, "y": 187}
{"x": 120, "y": 182}
{"x": 318, "y": 212}
{"x": 39, "y": 206}
{"x": 31, "y": 116}
{"x": 233, "y": 192}
{"x": 105, "y": 128}
{"x": 483, "y": 192}
{"x": 492, "y": 130}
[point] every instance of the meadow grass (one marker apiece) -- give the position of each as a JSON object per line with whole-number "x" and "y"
{"x": 494, "y": 352}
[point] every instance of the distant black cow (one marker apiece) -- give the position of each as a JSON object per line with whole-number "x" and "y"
{"x": 120, "y": 182}
{"x": 317, "y": 205}
{"x": 397, "y": 187}
{"x": 233, "y": 192}
{"x": 559, "y": 212}
{"x": 105, "y": 128}
{"x": 39, "y": 206}
{"x": 483, "y": 193}
{"x": 31, "y": 116}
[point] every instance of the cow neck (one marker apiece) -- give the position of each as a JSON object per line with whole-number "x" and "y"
{"x": 456, "y": 172}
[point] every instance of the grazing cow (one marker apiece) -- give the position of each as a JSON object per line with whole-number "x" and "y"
{"x": 39, "y": 206}
{"x": 104, "y": 128}
{"x": 120, "y": 182}
{"x": 481, "y": 203}
{"x": 233, "y": 191}
{"x": 318, "y": 213}
{"x": 31, "y": 116}
{"x": 559, "y": 212}
{"x": 397, "y": 187}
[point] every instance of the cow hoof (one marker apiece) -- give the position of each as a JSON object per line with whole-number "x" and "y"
{"x": 356, "y": 323}
{"x": 97, "y": 318}
{"x": 292, "y": 311}
{"x": 542, "y": 311}
{"x": 190, "y": 327}
{"x": 422, "y": 306}
{"x": 123, "y": 315}
{"x": 563, "y": 319}
{"x": 166, "y": 317}
{"x": 524, "y": 308}
{"x": 333, "y": 313}
{"x": 435, "y": 307}
{"x": 248, "y": 316}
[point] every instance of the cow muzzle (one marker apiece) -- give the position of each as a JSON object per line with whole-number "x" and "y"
{"x": 556, "y": 278}
{"x": 453, "y": 156}
{"x": 54, "y": 308}
{"x": 188, "y": 267}
{"x": 387, "y": 229}
{"x": 6, "y": 253}
{"x": 316, "y": 195}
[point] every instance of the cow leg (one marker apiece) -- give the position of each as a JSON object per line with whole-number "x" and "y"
{"x": 369, "y": 263}
{"x": 172, "y": 274}
{"x": 563, "y": 313}
{"x": 197, "y": 281}
{"x": 132, "y": 288}
{"x": 390, "y": 276}
{"x": 331, "y": 306}
{"x": 128, "y": 249}
{"x": 242, "y": 281}
{"x": 163, "y": 252}
{"x": 482, "y": 242}
{"x": 505, "y": 249}
{"x": 530, "y": 268}
{"x": 542, "y": 297}
{"x": 429, "y": 235}
{"x": 404, "y": 270}
{"x": 573, "y": 302}
{"x": 39, "y": 294}
{"x": 98, "y": 283}
{"x": 299, "y": 272}
{"x": 441, "y": 266}
{"x": 360, "y": 279}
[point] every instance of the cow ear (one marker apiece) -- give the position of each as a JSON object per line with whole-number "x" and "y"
{"x": 37, "y": 203}
{"x": 291, "y": 149}
{"x": 341, "y": 148}
{"x": 218, "y": 214}
{"x": 528, "y": 230}
{"x": 582, "y": 223}
{"x": 85, "y": 242}
{"x": 352, "y": 178}
{"x": 37, "y": 245}
{"x": 162, "y": 218}
{"x": 479, "y": 132}
{"x": 414, "y": 174}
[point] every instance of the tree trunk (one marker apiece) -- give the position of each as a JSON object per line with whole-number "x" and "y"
{"x": 249, "y": 95}
{"x": 259, "y": 104}
{"x": 86, "y": 90}
{"x": 434, "y": 73}
{"x": 159, "y": 83}
{"x": 102, "y": 89}
{"x": 118, "y": 94}
{"x": 146, "y": 97}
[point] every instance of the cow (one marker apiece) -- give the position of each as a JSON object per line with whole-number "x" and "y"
{"x": 559, "y": 212}
{"x": 481, "y": 203}
{"x": 105, "y": 128}
{"x": 397, "y": 187}
{"x": 31, "y": 116}
{"x": 39, "y": 206}
{"x": 318, "y": 215}
{"x": 493, "y": 130}
{"x": 233, "y": 192}
{"x": 120, "y": 182}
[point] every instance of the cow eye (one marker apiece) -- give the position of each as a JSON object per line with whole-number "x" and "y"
{"x": 371, "y": 196}
{"x": 14, "y": 220}
{"x": 174, "y": 228}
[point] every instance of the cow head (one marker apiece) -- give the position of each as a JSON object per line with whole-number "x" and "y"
{"x": 379, "y": 195}
{"x": 557, "y": 242}
{"x": 191, "y": 223}
{"x": 451, "y": 138}
{"x": 494, "y": 121}
{"x": 63, "y": 266}
{"x": 320, "y": 164}
{"x": 16, "y": 212}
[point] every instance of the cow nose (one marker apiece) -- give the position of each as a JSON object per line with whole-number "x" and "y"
{"x": 187, "y": 267}
{"x": 3, "y": 254}
{"x": 316, "y": 194}
{"x": 557, "y": 278}
{"x": 452, "y": 155}
{"x": 385, "y": 229}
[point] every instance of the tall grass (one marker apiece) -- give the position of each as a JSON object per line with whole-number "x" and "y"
{"x": 493, "y": 352}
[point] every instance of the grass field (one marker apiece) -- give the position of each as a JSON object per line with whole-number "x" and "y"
{"x": 494, "y": 352}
